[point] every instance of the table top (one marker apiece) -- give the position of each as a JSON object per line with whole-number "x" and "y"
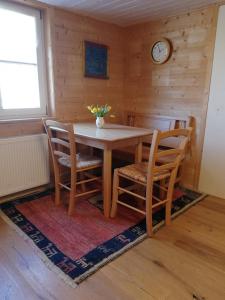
{"x": 110, "y": 132}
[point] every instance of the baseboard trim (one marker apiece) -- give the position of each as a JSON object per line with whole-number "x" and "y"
{"x": 35, "y": 190}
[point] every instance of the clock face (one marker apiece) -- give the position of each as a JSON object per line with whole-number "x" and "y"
{"x": 160, "y": 52}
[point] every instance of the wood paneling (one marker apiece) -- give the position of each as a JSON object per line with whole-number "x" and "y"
{"x": 73, "y": 92}
{"x": 183, "y": 261}
{"x": 20, "y": 127}
{"x": 179, "y": 87}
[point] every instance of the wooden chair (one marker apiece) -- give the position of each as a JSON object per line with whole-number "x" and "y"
{"x": 167, "y": 159}
{"x": 172, "y": 142}
{"x": 63, "y": 149}
{"x": 147, "y": 174}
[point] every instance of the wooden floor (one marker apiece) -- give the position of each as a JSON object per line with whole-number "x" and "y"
{"x": 183, "y": 261}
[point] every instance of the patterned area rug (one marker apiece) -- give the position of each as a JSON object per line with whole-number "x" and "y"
{"x": 77, "y": 246}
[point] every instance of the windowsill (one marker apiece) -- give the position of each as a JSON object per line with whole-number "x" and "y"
{"x": 31, "y": 119}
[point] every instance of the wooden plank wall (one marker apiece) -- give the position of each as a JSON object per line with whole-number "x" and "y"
{"x": 20, "y": 127}
{"x": 73, "y": 92}
{"x": 180, "y": 86}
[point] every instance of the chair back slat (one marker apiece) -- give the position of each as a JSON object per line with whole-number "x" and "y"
{"x": 61, "y": 154}
{"x": 61, "y": 141}
{"x": 175, "y": 155}
{"x": 165, "y": 167}
{"x": 56, "y": 125}
{"x": 169, "y": 152}
{"x": 174, "y": 133}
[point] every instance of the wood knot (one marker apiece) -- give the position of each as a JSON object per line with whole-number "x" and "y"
{"x": 158, "y": 263}
{"x": 196, "y": 297}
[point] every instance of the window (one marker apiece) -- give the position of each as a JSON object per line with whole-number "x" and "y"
{"x": 23, "y": 90}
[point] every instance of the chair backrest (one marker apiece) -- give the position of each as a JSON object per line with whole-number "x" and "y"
{"x": 160, "y": 122}
{"x": 61, "y": 141}
{"x": 175, "y": 155}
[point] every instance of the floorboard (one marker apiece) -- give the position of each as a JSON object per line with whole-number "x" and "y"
{"x": 183, "y": 261}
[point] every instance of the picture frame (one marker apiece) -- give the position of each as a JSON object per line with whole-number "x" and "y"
{"x": 95, "y": 60}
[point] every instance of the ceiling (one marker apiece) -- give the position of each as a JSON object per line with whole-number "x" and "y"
{"x": 128, "y": 12}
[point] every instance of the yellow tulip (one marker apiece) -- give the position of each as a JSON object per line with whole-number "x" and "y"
{"x": 99, "y": 110}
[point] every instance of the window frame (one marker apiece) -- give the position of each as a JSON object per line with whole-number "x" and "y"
{"x": 24, "y": 113}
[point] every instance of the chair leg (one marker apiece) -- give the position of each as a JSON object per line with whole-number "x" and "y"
{"x": 57, "y": 194}
{"x": 71, "y": 202}
{"x": 162, "y": 192}
{"x": 72, "y": 198}
{"x": 115, "y": 194}
{"x": 168, "y": 213}
{"x": 170, "y": 196}
{"x": 57, "y": 187}
{"x": 179, "y": 174}
{"x": 82, "y": 177}
{"x": 149, "y": 226}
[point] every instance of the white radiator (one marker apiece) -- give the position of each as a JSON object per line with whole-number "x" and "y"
{"x": 24, "y": 163}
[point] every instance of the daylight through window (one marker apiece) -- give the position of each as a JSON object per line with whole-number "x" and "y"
{"x": 22, "y": 71}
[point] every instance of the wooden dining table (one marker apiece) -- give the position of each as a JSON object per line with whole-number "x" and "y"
{"x": 112, "y": 136}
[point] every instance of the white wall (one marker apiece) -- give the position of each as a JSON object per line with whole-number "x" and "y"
{"x": 212, "y": 176}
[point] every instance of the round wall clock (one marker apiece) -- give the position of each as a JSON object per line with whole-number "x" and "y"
{"x": 161, "y": 51}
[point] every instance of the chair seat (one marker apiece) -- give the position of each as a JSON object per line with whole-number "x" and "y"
{"x": 139, "y": 172}
{"x": 83, "y": 161}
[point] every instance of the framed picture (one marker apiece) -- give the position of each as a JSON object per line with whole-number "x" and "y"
{"x": 96, "y": 60}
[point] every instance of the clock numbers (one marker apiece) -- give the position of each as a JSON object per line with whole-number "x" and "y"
{"x": 160, "y": 51}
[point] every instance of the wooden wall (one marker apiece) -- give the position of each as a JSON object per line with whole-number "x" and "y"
{"x": 20, "y": 127}
{"x": 180, "y": 86}
{"x": 73, "y": 92}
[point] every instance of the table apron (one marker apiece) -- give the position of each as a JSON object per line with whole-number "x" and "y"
{"x": 90, "y": 142}
{"x": 110, "y": 145}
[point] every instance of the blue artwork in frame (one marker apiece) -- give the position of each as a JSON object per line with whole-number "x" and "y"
{"x": 96, "y": 60}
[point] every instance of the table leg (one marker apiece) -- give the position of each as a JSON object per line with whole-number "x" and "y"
{"x": 107, "y": 181}
{"x": 138, "y": 153}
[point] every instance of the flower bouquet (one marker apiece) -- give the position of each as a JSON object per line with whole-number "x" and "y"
{"x": 99, "y": 112}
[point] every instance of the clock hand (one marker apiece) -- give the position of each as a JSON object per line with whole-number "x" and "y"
{"x": 158, "y": 48}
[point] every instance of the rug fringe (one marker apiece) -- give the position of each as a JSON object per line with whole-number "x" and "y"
{"x": 43, "y": 257}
